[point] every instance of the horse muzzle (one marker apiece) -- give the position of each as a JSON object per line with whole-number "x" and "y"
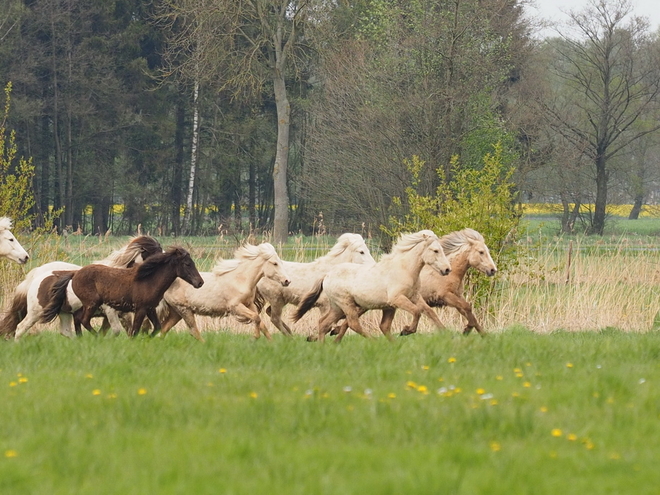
{"x": 286, "y": 282}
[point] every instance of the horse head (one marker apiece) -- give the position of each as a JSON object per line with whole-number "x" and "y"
{"x": 359, "y": 251}
{"x": 273, "y": 268}
{"x": 9, "y": 246}
{"x": 479, "y": 258}
{"x": 185, "y": 267}
{"x": 434, "y": 256}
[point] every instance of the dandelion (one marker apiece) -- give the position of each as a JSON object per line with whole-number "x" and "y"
{"x": 480, "y": 391}
{"x": 425, "y": 367}
{"x": 495, "y": 446}
{"x": 11, "y": 453}
{"x": 112, "y": 396}
{"x": 588, "y": 445}
{"x": 423, "y": 389}
{"x": 12, "y": 384}
{"x": 493, "y": 402}
{"x": 411, "y": 384}
{"x": 544, "y": 409}
{"x": 572, "y": 437}
{"x": 451, "y": 360}
{"x": 254, "y": 395}
{"x": 96, "y": 391}
{"x": 441, "y": 379}
{"x": 517, "y": 370}
{"x": 569, "y": 365}
{"x": 391, "y": 395}
{"x": 528, "y": 364}
{"x": 527, "y": 384}
{"x": 519, "y": 375}
{"x": 556, "y": 432}
{"x": 222, "y": 370}
{"x": 89, "y": 375}
{"x": 515, "y": 394}
{"x": 499, "y": 377}
{"x": 22, "y": 380}
{"x": 142, "y": 391}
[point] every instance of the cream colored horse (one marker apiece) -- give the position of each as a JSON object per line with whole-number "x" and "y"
{"x": 229, "y": 288}
{"x": 349, "y": 248}
{"x": 10, "y": 248}
{"x": 465, "y": 249}
{"x": 390, "y": 284}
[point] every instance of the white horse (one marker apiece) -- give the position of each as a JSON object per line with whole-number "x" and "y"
{"x": 31, "y": 295}
{"x": 10, "y": 248}
{"x": 349, "y": 248}
{"x": 464, "y": 249}
{"x": 229, "y": 288}
{"x": 390, "y": 284}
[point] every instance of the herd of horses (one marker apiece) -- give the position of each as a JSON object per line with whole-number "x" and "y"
{"x": 164, "y": 286}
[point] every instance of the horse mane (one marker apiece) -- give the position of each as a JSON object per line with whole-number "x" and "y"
{"x": 246, "y": 252}
{"x": 407, "y": 242}
{"x": 456, "y": 241}
{"x": 343, "y": 243}
{"x": 140, "y": 245}
{"x": 5, "y": 223}
{"x": 153, "y": 263}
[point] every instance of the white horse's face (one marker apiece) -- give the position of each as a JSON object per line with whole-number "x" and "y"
{"x": 360, "y": 253}
{"x": 11, "y": 248}
{"x": 274, "y": 270}
{"x": 434, "y": 256}
{"x": 479, "y": 258}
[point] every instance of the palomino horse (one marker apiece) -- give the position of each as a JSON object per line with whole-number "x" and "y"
{"x": 31, "y": 295}
{"x": 350, "y": 248}
{"x": 229, "y": 288}
{"x": 464, "y": 249}
{"x": 10, "y": 248}
{"x": 138, "y": 289}
{"x": 390, "y": 284}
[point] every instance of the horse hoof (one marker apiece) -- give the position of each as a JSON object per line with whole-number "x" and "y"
{"x": 334, "y": 331}
{"x": 312, "y": 338}
{"x": 405, "y": 332}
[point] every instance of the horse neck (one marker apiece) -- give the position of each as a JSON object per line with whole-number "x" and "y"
{"x": 459, "y": 263}
{"x": 250, "y": 270}
{"x": 412, "y": 260}
{"x": 160, "y": 280}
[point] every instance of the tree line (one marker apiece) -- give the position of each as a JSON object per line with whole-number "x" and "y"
{"x": 208, "y": 116}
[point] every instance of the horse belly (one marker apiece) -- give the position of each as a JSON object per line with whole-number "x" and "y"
{"x": 72, "y": 299}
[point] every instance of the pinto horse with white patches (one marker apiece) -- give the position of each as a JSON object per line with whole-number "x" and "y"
{"x": 10, "y": 248}
{"x": 390, "y": 284}
{"x": 228, "y": 289}
{"x": 31, "y": 295}
{"x": 138, "y": 289}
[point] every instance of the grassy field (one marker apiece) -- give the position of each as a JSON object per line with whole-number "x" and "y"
{"x": 515, "y": 412}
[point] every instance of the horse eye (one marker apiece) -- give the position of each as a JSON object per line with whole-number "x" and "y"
{"x": 481, "y": 252}
{"x": 361, "y": 252}
{"x": 11, "y": 240}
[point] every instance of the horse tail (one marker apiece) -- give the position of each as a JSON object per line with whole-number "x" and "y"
{"x": 15, "y": 314}
{"x": 309, "y": 301}
{"x": 259, "y": 300}
{"x": 56, "y": 297}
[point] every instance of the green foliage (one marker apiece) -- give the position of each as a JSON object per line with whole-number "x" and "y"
{"x": 16, "y": 195}
{"x": 478, "y": 198}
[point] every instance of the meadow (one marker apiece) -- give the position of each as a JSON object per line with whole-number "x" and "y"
{"x": 562, "y": 395}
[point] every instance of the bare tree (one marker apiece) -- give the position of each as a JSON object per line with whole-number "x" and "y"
{"x": 246, "y": 45}
{"x": 611, "y": 78}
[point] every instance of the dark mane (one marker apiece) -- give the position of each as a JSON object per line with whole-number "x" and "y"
{"x": 154, "y": 262}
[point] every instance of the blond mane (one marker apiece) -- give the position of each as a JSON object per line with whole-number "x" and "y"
{"x": 344, "y": 242}
{"x": 407, "y": 242}
{"x": 456, "y": 241}
{"x": 5, "y": 223}
{"x": 246, "y": 252}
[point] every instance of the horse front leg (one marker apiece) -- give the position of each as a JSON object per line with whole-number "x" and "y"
{"x": 250, "y": 312}
{"x": 465, "y": 309}
{"x": 86, "y": 314}
{"x": 138, "y": 318}
{"x": 275, "y": 315}
{"x": 189, "y": 318}
{"x": 111, "y": 320}
{"x": 173, "y": 317}
{"x": 353, "y": 314}
{"x": 153, "y": 318}
{"x": 329, "y": 318}
{"x": 386, "y": 322}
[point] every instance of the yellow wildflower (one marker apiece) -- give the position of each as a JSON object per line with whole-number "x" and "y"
{"x": 22, "y": 380}
{"x": 142, "y": 391}
{"x": 556, "y": 432}
{"x": 480, "y": 391}
{"x": 569, "y": 365}
{"x": 254, "y": 395}
{"x": 527, "y": 384}
{"x": 495, "y": 446}
{"x": 451, "y": 360}
{"x": 96, "y": 391}
{"x": 572, "y": 437}
{"x": 391, "y": 395}
{"x": 11, "y": 453}
{"x": 222, "y": 370}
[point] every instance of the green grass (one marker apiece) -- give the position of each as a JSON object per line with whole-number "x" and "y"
{"x": 292, "y": 417}
{"x": 617, "y": 226}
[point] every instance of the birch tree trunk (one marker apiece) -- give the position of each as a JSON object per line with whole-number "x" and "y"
{"x": 187, "y": 224}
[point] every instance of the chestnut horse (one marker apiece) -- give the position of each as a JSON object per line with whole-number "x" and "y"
{"x": 465, "y": 249}
{"x": 229, "y": 288}
{"x": 10, "y": 248}
{"x": 138, "y": 289}
{"x": 30, "y": 296}
{"x": 390, "y": 284}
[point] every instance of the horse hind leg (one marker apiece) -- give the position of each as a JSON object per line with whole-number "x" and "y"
{"x": 275, "y": 314}
{"x": 386, "y": 322}
{"x": 66, "y": 319}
